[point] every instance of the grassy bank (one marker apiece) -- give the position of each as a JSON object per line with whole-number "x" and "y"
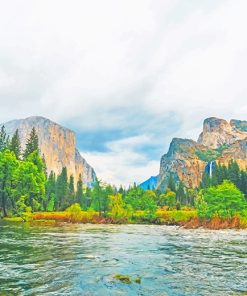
{"x": 187, "y": 218}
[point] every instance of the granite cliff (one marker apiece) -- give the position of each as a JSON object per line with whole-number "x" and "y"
{"x": 57, "y": 144}
{"x": 220, "y": 142}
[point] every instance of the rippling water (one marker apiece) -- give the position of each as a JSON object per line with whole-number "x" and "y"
{"x": 82, "y": 260}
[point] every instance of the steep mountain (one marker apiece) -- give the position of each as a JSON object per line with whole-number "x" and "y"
{"x": 217, "y": 132}
{"x": 57, "y": 144}
{"x": 151, "y": 183}
{"x": 220, "y": 142}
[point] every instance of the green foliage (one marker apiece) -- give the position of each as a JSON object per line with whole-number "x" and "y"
{"x": 22, "y": 183}
{"x": 117, "y": 207}
{"x": 31, "y": 183}
{"x": 171, "y": 184}
{"x": 79, "y": 193}
{"x": 51, "y": 203}
{"x": 15, "y": 144}
{"x": 168, "y": 199}
{"x": 32, "y": 143}
{"x": 100, "y": 197}
{"x": 224, "y": 200}
{"x": 61, "y": 199}
{"x": 8, "y": 179}
{"x": 210, "y": 155}
{"x": 180, "y": 195}
{"x": 207, "y": 155}
{"x": 231, "y": 172}
{"x": 4, "y": 139}
{"x": 139, "y": 199}
{"x": 50, "y": 190}
{"x": 176, "y": 216}
{"x": 74, "y": 212}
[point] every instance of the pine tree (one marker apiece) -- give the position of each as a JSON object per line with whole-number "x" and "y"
{"x": 234, "y": 173}
{"x": 79, "y": 193}
{"x": 45, "y": 166}
{"x": 15, "y": 145}
{"x": 50, "y": 189}
{"x": 32, "y": 143}
{"x": 171, "y": 184}
{"x": 4, "y": 139}
{"x": 61, "y": 201}
{"x": 181, "y": 197}
{"x": 71, "y": 189}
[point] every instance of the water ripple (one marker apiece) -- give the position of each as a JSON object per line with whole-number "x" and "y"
{"x": 82, "y": 260}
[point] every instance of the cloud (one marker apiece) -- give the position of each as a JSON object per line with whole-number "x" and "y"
{"x": 121, "y": 165}
{"x": 120, "y": 70}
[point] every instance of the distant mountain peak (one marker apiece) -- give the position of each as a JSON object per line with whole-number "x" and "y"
{"x": 151, "y": 183}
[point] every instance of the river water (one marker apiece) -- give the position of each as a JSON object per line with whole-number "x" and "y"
{"x": 83, "y": 259}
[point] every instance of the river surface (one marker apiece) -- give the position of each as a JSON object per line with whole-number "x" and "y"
{"x": 83, "y": 259}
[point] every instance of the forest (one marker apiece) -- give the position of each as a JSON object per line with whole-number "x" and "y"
{"x": 27, "y": 191}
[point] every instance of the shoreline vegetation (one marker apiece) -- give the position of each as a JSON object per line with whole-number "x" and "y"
{"x": 187, "y": 218}
{"x": 29, "y": 193}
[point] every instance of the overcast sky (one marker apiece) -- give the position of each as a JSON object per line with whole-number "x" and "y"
{"x": 126, "y": 75}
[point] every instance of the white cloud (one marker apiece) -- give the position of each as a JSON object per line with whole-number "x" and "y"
{"x": 127, "y": 64}
{"x": 122, "y": 165}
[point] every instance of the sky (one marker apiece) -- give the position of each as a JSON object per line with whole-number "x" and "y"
{"x": 126, "y": 75}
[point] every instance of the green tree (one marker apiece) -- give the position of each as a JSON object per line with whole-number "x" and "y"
{"x": 50, "y": 190}
{"x": 8, "y": 178}
{"x": 117, "y": 207}
{"x": 181, "y": 196}
{"x": 74, "y": 213}
{"x": 32, "y": 143}
{"x": 171, "y": 184}
{"x": 61, "y": 197}
{"x": 97, "y": 195}
{"x": 80, "y": 199}
{"x": 71, "y": 189}
{"x": 31, "y": 183}
{"x": 224, "y": 200}
{"x": 4, "y": 139}
{"x": 168, "y": 199}
{"x": 15, "y": 144}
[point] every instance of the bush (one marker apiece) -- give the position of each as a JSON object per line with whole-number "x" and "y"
{"x": 74, "y": 213}
{"x": 224, "y": 200}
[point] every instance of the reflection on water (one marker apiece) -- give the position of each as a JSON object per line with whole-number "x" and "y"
{"x": 82, "y": 260}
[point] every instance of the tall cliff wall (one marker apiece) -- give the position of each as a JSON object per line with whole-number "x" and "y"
{"x": 220, "y": 141}
{"x": 57, "y": 144}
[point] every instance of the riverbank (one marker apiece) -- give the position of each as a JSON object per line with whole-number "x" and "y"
{"x": 184, "y": 218}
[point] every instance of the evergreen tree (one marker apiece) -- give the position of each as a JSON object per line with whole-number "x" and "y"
{"x": 45, "y": 167}
{"x": 97, "y": 197}
{"x": 71, "y": 189}
{"x": 8, "y": 168}
{"x": 4, "y": 139}
{"x": 50, "y": 192}
{"x": 79, "y": 193}
{"x": 61, "y": 201}
{"x": 32, "y": 143}
{"x": 171, "y": 184}
{"x": 181, "y": 197}
{"x": 15, "y": 144}
{"x": 88, "y": 198}
{"x": 234, "y": 173}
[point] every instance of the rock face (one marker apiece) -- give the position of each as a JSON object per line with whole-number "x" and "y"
{"x": 221, "y": 141}
{"x": 217, "y": 132}
{"x": 57, "y": 144}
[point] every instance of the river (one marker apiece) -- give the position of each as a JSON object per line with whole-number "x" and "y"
{"x": 83, "y": 259}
